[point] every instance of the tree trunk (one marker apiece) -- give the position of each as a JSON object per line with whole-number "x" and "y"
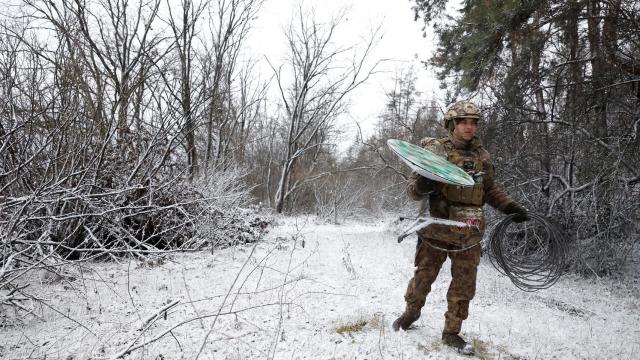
{"x": 598, "y": 72}
{"x": 280, "y": 193}
{"x": 123, "y": 139}
{"x": 537, "y": 47}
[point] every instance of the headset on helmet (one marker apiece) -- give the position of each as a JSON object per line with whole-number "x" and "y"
{"x": 460, "y": 110}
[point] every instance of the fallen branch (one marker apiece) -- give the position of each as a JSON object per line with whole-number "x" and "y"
{"x": 149, "y": 319}
{"x": 130, "y": 347}
{"x": 61, "y": 313}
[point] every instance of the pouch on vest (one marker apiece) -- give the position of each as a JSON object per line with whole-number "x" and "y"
{"x": 460, "y": 236}
{"x": 471, "y": 215}
{"x": 471, "y": 164}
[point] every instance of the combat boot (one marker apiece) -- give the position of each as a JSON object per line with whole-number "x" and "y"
{"x": 406, "y": 319}
{"x": 455, "y": 341}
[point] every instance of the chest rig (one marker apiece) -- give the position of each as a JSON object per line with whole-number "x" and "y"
{"x": 470, "y": 162}
{"x": 459, "y": 203}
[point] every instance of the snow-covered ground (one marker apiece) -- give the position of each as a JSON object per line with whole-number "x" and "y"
{"x": 311, "y": 291}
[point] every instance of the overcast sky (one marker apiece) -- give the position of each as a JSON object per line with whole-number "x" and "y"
{"x": 402, "y": 42}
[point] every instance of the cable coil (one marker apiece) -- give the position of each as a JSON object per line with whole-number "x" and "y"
{"x": 533, "y": 256}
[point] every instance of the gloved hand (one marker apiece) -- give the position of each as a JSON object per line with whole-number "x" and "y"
{"x": 521, "y": 214}
{"x": 424, "y": 185}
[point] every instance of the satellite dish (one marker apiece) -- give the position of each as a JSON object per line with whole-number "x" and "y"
{"x": 430, "y": 165}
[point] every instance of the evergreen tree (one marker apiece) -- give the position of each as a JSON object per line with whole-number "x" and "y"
{"x": 558, "y": 83}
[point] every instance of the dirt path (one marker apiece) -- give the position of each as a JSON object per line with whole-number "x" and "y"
{"x": 311, "y": 291}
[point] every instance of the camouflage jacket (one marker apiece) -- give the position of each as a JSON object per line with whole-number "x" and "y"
{"x": 449, "y": 201}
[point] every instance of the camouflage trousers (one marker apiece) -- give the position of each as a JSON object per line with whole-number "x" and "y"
{"x": 464, "y": 267}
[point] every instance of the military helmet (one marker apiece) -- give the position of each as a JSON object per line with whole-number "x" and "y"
{"x": 460, "y": 110}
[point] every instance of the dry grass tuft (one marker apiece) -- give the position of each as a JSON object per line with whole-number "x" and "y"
{"x": 481, "y": 349}
{"x": 352, "y": 327}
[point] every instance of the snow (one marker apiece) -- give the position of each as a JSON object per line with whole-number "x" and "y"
{"x": 286, "y": 297}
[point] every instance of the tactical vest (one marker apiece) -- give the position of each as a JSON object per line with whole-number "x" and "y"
{"x": 467, "y": 160}
{"x": 459, "y": 203}
{"x": 470, "y": 162}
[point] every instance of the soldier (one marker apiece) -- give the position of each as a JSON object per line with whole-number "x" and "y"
{"x": 436, "y": 242}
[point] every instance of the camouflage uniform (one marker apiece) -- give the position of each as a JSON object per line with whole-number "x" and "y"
{"x": 456, "y": 203}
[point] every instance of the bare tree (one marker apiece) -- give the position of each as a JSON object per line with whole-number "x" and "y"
{"x": 90, "y": 157}
{"x": 184, "y": 30}
{"x": 315, "y": 94}
{"x": 229, "y": 23}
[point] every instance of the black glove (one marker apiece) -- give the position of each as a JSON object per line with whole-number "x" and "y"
{"x": 424, "y": 185}
{"x": 521, "y": 214}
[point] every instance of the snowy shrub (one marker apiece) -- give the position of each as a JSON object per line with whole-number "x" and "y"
{"x": 60, "y": 225}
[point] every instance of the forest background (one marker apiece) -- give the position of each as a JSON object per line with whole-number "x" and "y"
{"x": 133, "y": 127}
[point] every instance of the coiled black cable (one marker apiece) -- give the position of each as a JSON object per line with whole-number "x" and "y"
{"x": 532, "y": 254}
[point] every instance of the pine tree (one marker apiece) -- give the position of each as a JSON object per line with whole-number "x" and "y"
{"x": 558, "y": 83}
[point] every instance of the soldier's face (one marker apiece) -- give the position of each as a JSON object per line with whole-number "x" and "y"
{"x": 466, "y": 128}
